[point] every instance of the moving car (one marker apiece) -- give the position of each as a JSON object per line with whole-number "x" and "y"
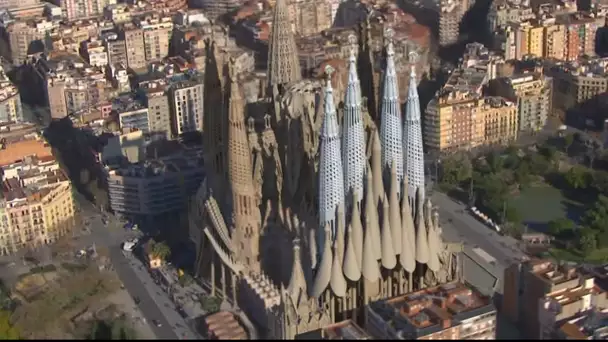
{"x": 130, "y": 245}
{"x": 157, "y": 323}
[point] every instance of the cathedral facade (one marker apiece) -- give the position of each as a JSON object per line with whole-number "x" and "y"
{"x": 313, "y": 207}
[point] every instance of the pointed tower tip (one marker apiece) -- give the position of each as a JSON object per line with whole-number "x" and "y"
{"x": 389, "y": 259}
{"x": 351, "y": 266}
{"x": 323, "y": 276}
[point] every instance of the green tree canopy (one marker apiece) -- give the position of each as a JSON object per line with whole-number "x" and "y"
{"x": 596, "y": 217}
{"x": 111, "y": 330}
{"x": 7, "y": 330}
{"x": 161, "y": 250}
{"x": 577, "y": 177}
{"x": 561, "y": 227}
{"x": 455, "y": 169}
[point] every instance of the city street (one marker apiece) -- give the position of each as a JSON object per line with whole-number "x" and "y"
{"x": 459, "y": 223}
{"x": 153, "y": 302}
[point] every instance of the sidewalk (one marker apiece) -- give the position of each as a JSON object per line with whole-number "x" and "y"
{"x": 125, "y": 303}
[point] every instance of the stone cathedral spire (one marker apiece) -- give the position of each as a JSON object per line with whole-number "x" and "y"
{"x": 353, "y": 136}
{"x": 331, "y": 176}
{"x": 246, "y": 214}
{"x": 390, "y": 127}
{"x": 283, "y": 64}
{"x": 412, "y": 136}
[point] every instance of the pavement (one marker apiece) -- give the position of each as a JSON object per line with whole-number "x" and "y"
{"x": 153, "y": 301}
{"x": 159, "y": 311}
{"x": 459, "y": 223}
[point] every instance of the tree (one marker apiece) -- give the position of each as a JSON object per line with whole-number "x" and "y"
{"x": 110, "y": 330}
{"x": 522, "y": 175}
{"x": 596, "y": 217}
{"x": 577, "y": 177}
{"x": 537, "y": 164}
{"x": 211, "y": 304}
{"x": 161, "y": 250}
{"x": 495, "y": 162}
{"x": 549, "y": 152}
{"x": 599, "y": 181}
{"x": 455, "y": 169}
{"x": 561, "y": 227}
{"x": 568, "y": 141}
{"x": 7, "y": 330}
{"x": 587, "y": 240}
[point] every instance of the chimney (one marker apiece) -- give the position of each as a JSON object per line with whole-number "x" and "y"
{"x": 446, "y": 323}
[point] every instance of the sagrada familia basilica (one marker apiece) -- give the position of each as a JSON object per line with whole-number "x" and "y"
{"x": 314, "y": 205}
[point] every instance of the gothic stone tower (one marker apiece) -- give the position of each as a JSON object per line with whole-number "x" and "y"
{"x": 283, "y": 64}
{"x": 245, "y": 210}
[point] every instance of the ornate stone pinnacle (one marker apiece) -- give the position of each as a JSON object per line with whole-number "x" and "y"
{"x": 232, "y": 69}
{"x": 329, "y": 70}
{"x": 352, "y": 40}
{"x": 413, "y": 57}
{"x": 389, "y": 33}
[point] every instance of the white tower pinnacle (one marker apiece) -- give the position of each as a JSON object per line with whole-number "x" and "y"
{"x": 412, "y": 136}
{"x": 391, "y": 136}
{"x": 331, "y": 176}
{"x": 353, "y": 138}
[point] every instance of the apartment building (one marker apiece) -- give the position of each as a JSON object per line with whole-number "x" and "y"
{"x": 82, "y": 9}
{"x": 116, "y": 49}
{"x": 126, "y": 145}
{"x": 71, "y": 85}
{"x": 310, "y": 17}
{"x": 450, "y": 15}
{"x": 37, "y": 207}
{"x": 588, "y": 325}
{"x": 7, "y": 4}
{"x": 26, "y": 37}
{"x": 577, "y": 84}
{"x": 539, "y": 293}
{"x": 156, "y": 187}
{"x": 159, "y": 111}
{"x": 10, "y": 101}
{"x": 453, "y": 311}
{"x": 461, "y": 118}
{"x": 134, "y": 45}
{"x": 118, "y": 13}
{"x": 532, "y": 93}
{"x": 94, "y": 52}
{"x": 187, "y": 106}
{"x": 156, "y": 36}
{"x": 566, "y": 303}
{"x": 131, "y": 114}
{"x": 555, "y": 42}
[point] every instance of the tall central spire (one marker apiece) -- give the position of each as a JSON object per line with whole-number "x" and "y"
{"x": 353, "y": 138}
{"x": 331, "y": 176}
{"x": 391, "y": 135}
{"x": 283, "y": 63}
{"x": 240, "y": 175}
{"x": 412, "y": 135}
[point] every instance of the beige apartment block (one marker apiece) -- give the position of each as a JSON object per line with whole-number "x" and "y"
{"x": 21, "y": 35}
{"x": 157, "y": 35}
{"x": 461, "y": 118}
{"x": 135, "y": 46}
{"x": 37, "y": 206}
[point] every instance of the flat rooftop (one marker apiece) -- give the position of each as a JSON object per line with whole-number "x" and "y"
{"x": 183, "y": 161}
{"x": 552, "y": 273}
{"x": 586, "y": 326}
{"x": 434, "y": 309}
{"x": 15, "y": 152}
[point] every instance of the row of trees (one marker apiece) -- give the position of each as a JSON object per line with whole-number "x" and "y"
{"x": 490, "y": 180}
